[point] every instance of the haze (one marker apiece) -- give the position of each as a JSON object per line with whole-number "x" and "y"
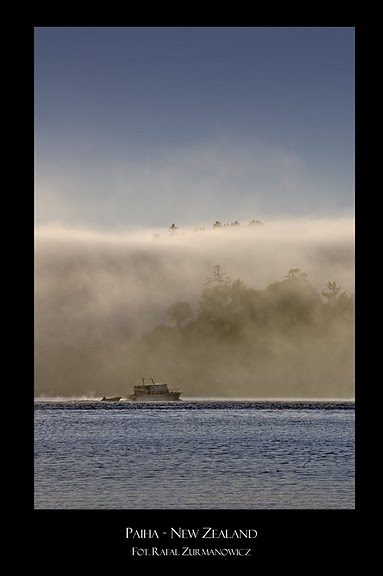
{"x": 140, "y": 128}
{"x": 97, "y": 294}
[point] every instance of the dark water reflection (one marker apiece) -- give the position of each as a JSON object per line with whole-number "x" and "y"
{"x": 194, "y": 454}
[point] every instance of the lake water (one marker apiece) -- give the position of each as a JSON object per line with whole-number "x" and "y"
{"x": 194, "y": 454}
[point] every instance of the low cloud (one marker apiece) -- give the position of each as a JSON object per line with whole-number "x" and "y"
{"x": 97, "y": 293}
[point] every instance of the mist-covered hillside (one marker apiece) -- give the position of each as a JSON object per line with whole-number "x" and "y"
{"x": 111, "y": 309}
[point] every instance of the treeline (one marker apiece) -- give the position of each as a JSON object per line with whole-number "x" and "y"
{"x": 173, "y": 229}
{"x": 286, "y": 340}
{"x": 229, "y": 306}
{"x": 217, "y": 224}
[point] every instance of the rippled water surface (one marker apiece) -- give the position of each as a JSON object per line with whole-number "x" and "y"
{"x": 194, "y": 454}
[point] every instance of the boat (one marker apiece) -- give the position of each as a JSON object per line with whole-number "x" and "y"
{"x": 150, "y": 391}
{"x": 111, "y": 399}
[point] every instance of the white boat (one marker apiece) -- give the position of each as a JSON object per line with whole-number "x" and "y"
{"x": 150, "y": 391}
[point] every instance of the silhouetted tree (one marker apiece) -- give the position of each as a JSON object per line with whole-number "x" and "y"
{"x": 296, "y": 274}
{"x": 332, "y": 294}
{"x": 215, "y": 295}
{"x": 293, "y": 300}
{"x": 338, "y": 303}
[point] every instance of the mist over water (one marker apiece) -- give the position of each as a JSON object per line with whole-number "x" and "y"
{"x": 97, "y": 295}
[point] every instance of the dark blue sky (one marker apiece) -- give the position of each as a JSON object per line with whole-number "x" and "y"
{"x": 145, "y": 126}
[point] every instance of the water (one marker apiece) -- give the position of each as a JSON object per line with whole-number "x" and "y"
{"x": 194, "y": 455}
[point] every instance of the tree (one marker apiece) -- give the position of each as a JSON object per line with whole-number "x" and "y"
{"x": 338, "y": 302}
{"x": 220, "y": 280}
{"x": 332, "y": 294}
{"x": 296, "y": 274}
{"x": 215, "y": 295}
{"x": 293, "y": 300}
{"x": 179, "y": 312}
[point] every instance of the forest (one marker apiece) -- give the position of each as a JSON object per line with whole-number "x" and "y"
{"x": 216, "y": 314}
{"x": 287, "y": 340}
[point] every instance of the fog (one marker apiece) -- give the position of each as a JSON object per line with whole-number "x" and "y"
{"x": 99, "y": 296}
